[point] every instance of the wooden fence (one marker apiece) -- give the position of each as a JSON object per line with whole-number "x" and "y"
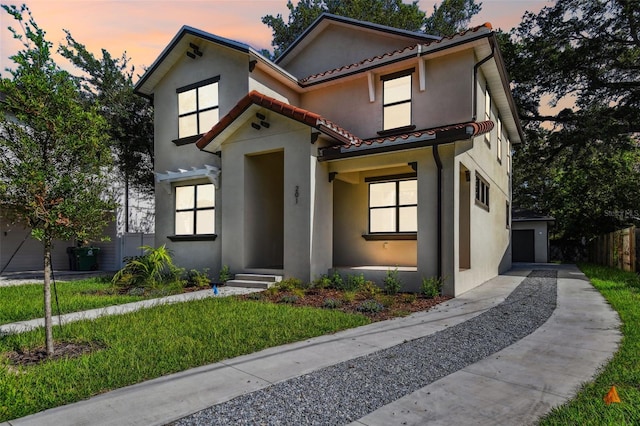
{"x": 617, "y": 249}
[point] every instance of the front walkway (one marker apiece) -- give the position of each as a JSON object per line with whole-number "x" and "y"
{"x": 514, "y": 386}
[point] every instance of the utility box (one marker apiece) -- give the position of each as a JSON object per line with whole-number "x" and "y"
{"x": 83, "y": 258}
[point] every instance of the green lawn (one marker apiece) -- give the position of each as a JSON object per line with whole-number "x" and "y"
{"x": 622, "y": 291}
{"x": 25, "y": 302}
{"x": 151, "y": 343}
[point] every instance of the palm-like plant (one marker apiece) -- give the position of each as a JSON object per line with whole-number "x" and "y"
{"x": 148, "y": 270}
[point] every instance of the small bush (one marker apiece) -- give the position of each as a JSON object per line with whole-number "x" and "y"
{"x": 408, "y": 298}
{"x": 370, "y": 306}
{"x": 353, "y": 282}
{"x": 431, "y": 287}
{"x": 289, "y": 298}
{"x": 392, "y": 283}
{"x": 152, "y": 270}
{"x": 196, "y": 278}
{"x": 348, "y": 296}
{"x": 224, "y": 275}
{"x": 336, "y": 281}
{"x": 386, "y": 300}
{"x": 368, "y": 290}
{"x": 289, "y": 284}
{"x": 255, "y": 296}
{"x": 331, "y": 303}
{"x": 321, "y": 283}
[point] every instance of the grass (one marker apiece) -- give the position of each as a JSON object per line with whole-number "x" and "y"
{"x": 622, "y": 291}
{"x": 151, "y": 343}
{"x": 25, "y": 302}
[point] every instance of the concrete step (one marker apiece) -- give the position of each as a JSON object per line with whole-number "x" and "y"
{"x": 259, "y": 277}
{"x": 249, "y": 284}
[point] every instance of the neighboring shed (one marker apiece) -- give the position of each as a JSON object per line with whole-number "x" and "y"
{"x": 530, "y": 236}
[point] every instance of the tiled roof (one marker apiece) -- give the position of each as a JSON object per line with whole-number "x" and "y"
{"x": 408, "y": 140}
{"x": 474, "y": 129}
{"x": 299, "y": 114}
{"x": 388, "y": 55}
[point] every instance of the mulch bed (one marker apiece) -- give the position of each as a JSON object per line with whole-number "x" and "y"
{"x": 398, "y": 305}
{"x": 61, "y": 350}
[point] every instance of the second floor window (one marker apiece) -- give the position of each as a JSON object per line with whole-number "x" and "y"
{"x": 396, "y": 100}
{"x": 393, "y": 206}
{"x": 195, "y": 209}
{"x": 482, "y": 192}
{"x": 197, "y": 107}
{"x": 487, "y": 113}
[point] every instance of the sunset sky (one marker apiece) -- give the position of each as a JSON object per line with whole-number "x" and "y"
{"x": 143, "y": 28}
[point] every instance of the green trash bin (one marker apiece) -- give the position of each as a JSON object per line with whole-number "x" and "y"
{"x": 86, "y": 258}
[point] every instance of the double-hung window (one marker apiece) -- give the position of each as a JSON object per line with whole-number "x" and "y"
{"x": 499, "y": 142}
{"x": 195, "y": 209}
{"x": 396, "y": 100}
{"x": 393, "y": 206}
{"x": 197, "y": 107}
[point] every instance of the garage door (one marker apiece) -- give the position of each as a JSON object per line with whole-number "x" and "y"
{"x": 523, "y": 245}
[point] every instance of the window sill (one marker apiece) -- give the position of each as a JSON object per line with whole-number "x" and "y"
{"x": 400, "y": 236}
{"x": 397, "y": 130}
{"x": 186, "y": 141}
{"x": 201, "y": 237}
{"x": 482, "y": 206}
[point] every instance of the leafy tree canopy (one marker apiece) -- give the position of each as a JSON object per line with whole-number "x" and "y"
{"x": 581, "y": 163}
{"x": 108, "y": 82}
{"x": 53, "y": 156}
{"x": 451, "y": 16}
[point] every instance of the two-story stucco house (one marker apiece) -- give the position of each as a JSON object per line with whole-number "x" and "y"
{"x": 362, "y": 148}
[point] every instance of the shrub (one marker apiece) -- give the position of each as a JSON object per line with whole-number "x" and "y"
{"x": 196, "y": 278}
{"x": 386, "y": 300}
{"x": 336, "y": 281}
{"x": 368, "y": 289}
{"x": 321, "y": 283}
{"x": 348, "y": 296}
{"x": 255, "y": 296}
{"x": 331, "y": 303}
{"x": 431, "y": 287}
{"x": 151, "y": 270}
{"x": 289, "y": 298}
{"x": 353, "y": 282}
{"x": 392, "y": 283}
{"x": 224, "y": 275}
{"x": 408, "y": 298}
{"x": 289, "y": 284}
{"x": 370, "y": 306}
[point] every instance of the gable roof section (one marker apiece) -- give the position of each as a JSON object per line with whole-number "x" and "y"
{"x": 328, "y": 19}
{"x": 295, "y": 113}
{"x": 175, "y": 51}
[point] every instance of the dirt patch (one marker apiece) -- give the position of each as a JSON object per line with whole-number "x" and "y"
{"x": 61, "y": 350}
{"x": 393, "y": 306}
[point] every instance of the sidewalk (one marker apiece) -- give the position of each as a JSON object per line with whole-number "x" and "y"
{"x": 514, "y": 386}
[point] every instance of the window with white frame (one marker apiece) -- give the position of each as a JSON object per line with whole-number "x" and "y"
{"x": 197, "y": 107}
{"x": 396, "y": 100}
{"x": 508, "y": 156}
{"x": 195, "y": 209}
{"x": 393, "y": 206}
{"x": 482, "y": 192}
{"x": 487, "y": 113}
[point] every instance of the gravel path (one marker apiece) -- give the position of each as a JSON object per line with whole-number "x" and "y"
{"x": 345, "y": 392}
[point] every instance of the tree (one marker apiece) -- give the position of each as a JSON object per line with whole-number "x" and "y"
{"x": 108, "y": 82}
{"x": 393, "y": 13}
{"x": 53, "y": 156}
{"x": 581, "y": 163}
{"x": 451, "y": 17}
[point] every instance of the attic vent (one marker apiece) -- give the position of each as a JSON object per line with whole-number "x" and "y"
{"x": 196, "y": 52}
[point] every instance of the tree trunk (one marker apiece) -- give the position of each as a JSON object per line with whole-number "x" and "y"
{"x": 48, "y": 324}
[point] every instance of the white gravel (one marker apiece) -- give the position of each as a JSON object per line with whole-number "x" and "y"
{"x": 345, "y": 392}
